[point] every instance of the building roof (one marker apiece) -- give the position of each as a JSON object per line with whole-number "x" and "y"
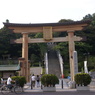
{"x": 10, "y": 67}
{"x": 45, "y": 24}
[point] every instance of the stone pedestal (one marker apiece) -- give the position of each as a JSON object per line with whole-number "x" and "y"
{"x": 82, "y": 88}
{"x": 92, "y": 84}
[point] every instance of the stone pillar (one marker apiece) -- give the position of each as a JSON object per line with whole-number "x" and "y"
{"x": 71, "y": 49}
{"x": 22, "y": 65}
{"x": 25, "y": 54}
{"x": 28, "y": 71}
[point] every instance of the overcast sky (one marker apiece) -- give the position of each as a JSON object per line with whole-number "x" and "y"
{"x": 44, "y": 11}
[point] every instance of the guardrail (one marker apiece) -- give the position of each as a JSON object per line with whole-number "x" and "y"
{"x": 46, "y": 62}
{"x": 60, "y": 61}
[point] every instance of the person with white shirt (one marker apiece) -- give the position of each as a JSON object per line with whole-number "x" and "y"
{"x": 9, "y": 80}
{"x": 33, "y": 79}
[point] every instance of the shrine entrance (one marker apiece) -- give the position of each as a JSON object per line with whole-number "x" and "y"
{"x": 47, "y": 29}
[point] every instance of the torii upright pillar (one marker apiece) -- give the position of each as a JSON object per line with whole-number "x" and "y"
{"x": 71, "y": 49}
{"x": 25, "y": 53}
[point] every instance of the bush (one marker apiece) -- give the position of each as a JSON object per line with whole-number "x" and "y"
{"x": 82, "y": 79}
{"x": 21, "y": 80}
{"x": 49, "y": 80}
{"x": 93, "y": 70}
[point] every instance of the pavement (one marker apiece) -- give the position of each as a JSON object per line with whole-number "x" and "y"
{"x": 60, "y": 90}
{"x": 59, "y": 87}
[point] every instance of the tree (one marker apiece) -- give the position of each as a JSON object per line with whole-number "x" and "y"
{"x": 65, "y": 20}
{"x": 37, "y": 49}
{"x": 88, "y": 17}
{"x": 5, "y": 47}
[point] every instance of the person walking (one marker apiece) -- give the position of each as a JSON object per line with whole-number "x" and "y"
{"x": 38, "y": 80}
{"x": 33, "y": 79}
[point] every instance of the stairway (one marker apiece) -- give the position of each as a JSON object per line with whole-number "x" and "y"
{"x": 53, "y": 63}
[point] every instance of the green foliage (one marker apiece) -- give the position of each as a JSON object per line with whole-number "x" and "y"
{"x": 43, "y": 70}
{"x": 87, "y": 17}
{"x": 82, "y": 79}
{"x": 63, "y": 48}
{"x": 43, "y": 49}
{"x": 5, "y": 47}
{"x": 20, "y": 79}
{"x": 66, "y": 73}
{"x": 93, "y": 70}
{"x": 39, "y": 35}
{"x": 38, "y": 49}
{"x": 34, "y": 59}
{"x": 82, "y": 70}
{"x": 91, "y": 62}
{"x": 65, "y": 20}
{"x": 49, "y": 80}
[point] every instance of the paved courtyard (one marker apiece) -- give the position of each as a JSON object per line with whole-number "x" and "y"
{"x": 59, "y": 91}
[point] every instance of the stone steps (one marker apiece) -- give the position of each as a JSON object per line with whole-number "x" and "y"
{"x": 53, "y": 63}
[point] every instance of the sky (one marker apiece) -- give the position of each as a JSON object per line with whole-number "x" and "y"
{"x": 44, "y": 11}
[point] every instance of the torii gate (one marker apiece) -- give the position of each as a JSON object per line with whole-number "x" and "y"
{"x": 47, "y": 29}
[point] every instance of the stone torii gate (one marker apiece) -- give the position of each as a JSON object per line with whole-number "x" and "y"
{"x": 47, "y": 29}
